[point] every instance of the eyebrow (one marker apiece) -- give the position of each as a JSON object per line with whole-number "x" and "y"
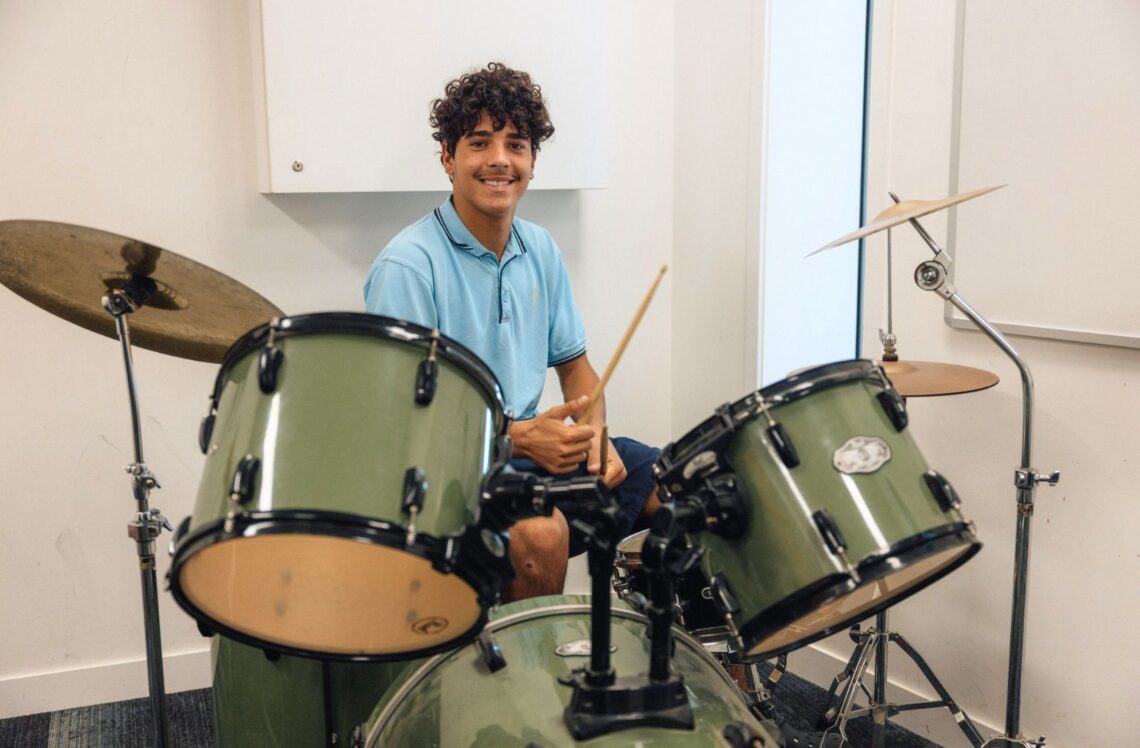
{"x": 488, "y": 133}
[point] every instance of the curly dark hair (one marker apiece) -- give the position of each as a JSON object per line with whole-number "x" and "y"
{"x": 507, "y": 95}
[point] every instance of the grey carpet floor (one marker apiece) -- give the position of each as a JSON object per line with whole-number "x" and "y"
{"x": 126, "y": 724}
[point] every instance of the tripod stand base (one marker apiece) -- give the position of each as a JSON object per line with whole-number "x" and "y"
{"x": 841, "y": 704}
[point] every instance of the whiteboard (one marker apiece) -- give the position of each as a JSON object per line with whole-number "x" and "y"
{"x": 346, "y": 87}
{"x": 1049, "y": 105}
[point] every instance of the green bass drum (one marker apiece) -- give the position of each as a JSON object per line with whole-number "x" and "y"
{"x": 339, "y": 506}
{"x": 454, "y": 700}
{"x": 842, "y": 519}
{"x": 281, "y": 701}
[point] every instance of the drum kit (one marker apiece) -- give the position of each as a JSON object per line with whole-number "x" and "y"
{"x": 352, "y": 585}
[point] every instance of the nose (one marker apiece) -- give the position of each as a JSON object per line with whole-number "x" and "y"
{"x": 497, "y": 155}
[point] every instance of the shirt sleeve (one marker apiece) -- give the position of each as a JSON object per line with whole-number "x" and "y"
{"x": 567, "y": 335}
{"x": 396, "y": 289}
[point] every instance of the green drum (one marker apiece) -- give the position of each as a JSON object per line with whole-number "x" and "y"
{"x": 284, "y": 701}
{"x": 338, "y": 514}
{"x": 842, "y": 517}
{"x": 456, "y": 700}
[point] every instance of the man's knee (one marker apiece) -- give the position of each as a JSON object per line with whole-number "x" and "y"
{"x": 540, "y": 539}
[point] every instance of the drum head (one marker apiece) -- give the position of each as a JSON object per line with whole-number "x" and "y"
{"x": 864, "y": 601}
{"x": 328, "y": 595}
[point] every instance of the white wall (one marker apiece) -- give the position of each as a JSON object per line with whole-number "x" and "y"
{"x": 137, "y": 118}
{"x": 716, "y": 211}
{"x": 1082, "y": 656}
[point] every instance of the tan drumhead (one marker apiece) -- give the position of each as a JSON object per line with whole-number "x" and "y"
{"x": 864, "y": 598}
{"x": 329, "y": 595}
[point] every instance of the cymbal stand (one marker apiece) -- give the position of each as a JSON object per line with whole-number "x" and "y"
{"x": 873, "y": 642}
{"x": 933, "y": 275}
{"x": 148, "y": 522}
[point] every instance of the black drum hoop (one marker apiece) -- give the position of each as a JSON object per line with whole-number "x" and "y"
{"x": 339, "y": 525}
{"x": 810, "y": 598}
{"x": 715, "y": 432}
{"x": 374, "y": 325}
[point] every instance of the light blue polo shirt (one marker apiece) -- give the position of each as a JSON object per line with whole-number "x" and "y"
{"x": 518, "y": 315}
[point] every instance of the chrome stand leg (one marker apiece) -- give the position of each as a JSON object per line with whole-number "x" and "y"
{"x": 758, "y": 689}
{"x": 841, "y": 706}
{"x": 145, "y": 528}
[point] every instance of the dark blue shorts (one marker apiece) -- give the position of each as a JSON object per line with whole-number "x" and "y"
{"x": 630, "y": 493}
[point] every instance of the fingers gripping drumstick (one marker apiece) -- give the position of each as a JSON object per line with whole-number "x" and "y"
{"x": 621, "y": 348}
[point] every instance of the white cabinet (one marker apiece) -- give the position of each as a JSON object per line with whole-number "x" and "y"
{"x": 345, "y": 87}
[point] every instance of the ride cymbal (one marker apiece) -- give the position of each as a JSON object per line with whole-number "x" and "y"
{"x": 191, "y": 312}
{"x": 930, "y": 379}
{"x": 904, "y": 211}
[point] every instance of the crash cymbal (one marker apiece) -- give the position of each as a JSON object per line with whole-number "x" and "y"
{"x": 904, "y": 211}
{"x": 194, "y": 312}
{"x": 928, "y": 378}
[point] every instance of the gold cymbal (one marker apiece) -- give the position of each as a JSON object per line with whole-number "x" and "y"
{"x": 194, "y": 312}
{"x": 903, "y": 212}
{"x": 929, "y": 379}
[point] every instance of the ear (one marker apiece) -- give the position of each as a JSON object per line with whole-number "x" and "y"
{"x": 447, "y": 159}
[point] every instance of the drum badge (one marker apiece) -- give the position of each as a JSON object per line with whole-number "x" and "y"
{"x": 429, "y": 626}
{"x": 861, "y": 454}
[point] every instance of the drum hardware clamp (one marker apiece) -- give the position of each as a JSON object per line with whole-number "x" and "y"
{"x": 836, "y": 543}
{"x": 415, "y": 488}
{"x": 427, "y": 373}
{"x": 778, "y": 436}
{"x": 270, "y": 359}
{"x": 241, "y": 487}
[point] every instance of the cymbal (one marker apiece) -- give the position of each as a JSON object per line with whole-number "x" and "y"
{"x": 929, "y": 379}
{"x": 904, "y": 211}
{"x": 195, "y": 312}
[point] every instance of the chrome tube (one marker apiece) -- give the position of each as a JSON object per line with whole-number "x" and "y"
{"x": 143, "y": 531}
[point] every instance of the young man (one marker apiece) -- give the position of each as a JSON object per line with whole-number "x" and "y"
{"x": 497, "y": 285}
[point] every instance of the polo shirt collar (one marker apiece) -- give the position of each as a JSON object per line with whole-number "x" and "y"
{"x": 462, "y": 238}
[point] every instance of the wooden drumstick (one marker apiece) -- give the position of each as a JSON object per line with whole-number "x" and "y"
{"x": 605, "y": 452}
{"x": 621, "y": 347}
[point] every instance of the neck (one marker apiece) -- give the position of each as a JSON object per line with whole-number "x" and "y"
{"x": 493, "y": 232}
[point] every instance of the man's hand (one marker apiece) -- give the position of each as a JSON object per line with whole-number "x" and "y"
{"x": 615, "y": 471}
{"x": 553, "y": 444}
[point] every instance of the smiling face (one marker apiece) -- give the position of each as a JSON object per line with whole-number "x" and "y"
{"x": 491, "y": 170}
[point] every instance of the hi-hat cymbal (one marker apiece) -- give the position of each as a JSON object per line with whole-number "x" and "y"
{"x": 929, "y": 379}
{"x": 194, "y": 312}
{"x": 904, "y": 211}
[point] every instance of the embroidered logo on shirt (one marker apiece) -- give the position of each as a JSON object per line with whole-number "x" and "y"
{"x": 535, "y": 295}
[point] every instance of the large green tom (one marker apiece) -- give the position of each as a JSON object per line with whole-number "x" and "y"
{"x": 850, "y": 525}
{"x": 303, "y": 538}
{"x": 455, "y": 700}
